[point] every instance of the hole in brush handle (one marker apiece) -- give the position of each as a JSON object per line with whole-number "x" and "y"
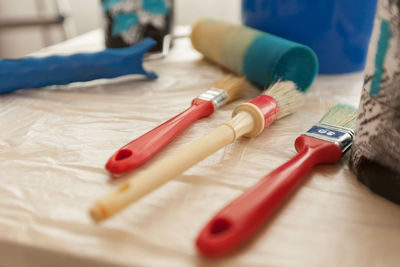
{"x": 218, "y": 237}
{"x": 123, "y": 154}
{"x": 220, "y": 226}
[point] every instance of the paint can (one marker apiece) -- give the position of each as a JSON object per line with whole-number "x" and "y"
{"x": 338, "y": 31}
{"x": 129, "y": 21}
{"x": 375, "y": 155}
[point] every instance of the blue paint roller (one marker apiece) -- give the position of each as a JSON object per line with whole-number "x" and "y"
{"x": 36, "y": 72}
{"x": 263, "y": 58}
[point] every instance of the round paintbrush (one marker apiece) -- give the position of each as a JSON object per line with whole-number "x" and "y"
{"x": 249, "y": 119}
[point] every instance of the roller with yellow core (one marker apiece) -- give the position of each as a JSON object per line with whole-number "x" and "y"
{"x": 263, "y": 58}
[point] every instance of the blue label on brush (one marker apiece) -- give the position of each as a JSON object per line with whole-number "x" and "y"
{"x": 326, "y": 132}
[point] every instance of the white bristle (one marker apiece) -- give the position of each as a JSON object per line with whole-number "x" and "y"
{"x": 288, "y": 97}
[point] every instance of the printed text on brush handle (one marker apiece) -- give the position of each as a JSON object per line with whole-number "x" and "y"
{"x": 340, "y": 136}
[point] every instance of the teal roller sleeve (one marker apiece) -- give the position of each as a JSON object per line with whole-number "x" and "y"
{"x": 261, "y": 57}
{"x": 288, "y": 61}
{"x": 38, "y": 72}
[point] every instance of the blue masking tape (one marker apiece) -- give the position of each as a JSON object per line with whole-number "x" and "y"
{"x": 35, "y": 72}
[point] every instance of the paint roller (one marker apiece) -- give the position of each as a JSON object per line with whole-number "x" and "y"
{"x": 263, "y": 58}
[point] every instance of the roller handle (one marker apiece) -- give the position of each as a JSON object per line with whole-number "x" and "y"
{"x": 36, "y": 72}
{"x": 239, "y": 220}
{"x": 143, "y": 148}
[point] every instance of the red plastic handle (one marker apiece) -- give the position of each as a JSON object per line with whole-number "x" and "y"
{"x": 143, "y": 148}
{"x": 239, "y": 220}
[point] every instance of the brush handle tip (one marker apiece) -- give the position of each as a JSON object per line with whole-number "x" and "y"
{"x": 98, "y": 213}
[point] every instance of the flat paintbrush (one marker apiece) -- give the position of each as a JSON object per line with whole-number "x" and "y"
{"x": 324, "y": 143}
{"x": 138, "y": 151}
{"x": 249, "y": 119}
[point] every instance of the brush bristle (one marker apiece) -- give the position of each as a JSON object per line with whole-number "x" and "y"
{"x": 341, "y": 115}
{"x": 233, "y": 85}
{"x": 286, "y": 95}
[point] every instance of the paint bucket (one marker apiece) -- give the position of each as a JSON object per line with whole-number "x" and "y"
{"x": 129, "y": 21}
{"x": 337, "y": 30}
{"x": 375, "y": 155}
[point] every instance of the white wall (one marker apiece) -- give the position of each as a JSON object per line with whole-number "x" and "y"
{"x": 86, "y": 15}
{"x": 19, "y": 41}
{"x": 188, "y": 10}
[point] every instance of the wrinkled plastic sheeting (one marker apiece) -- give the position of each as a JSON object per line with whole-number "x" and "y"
{"x": 55, "y": 141}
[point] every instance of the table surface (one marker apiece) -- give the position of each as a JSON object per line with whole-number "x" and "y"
{"x": 55, "y": 141}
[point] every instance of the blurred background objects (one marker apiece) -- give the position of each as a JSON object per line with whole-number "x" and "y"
{"x": 29, "y": 25}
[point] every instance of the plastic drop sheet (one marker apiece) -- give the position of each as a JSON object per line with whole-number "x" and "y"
{"x": 55, "y": 141}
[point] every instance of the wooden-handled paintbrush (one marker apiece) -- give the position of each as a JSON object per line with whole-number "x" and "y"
{"x": 137, "y": 152}
{"x": 324, "y": 143}
{"x": 249, "y": 119}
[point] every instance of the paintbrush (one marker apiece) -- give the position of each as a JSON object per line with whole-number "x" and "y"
{"x": 138, "y": 151}
{"x": 324, "y": 143}
{"x": 249, "y": 119}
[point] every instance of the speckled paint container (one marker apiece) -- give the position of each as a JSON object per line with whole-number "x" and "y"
{"x": 129, "y": 21}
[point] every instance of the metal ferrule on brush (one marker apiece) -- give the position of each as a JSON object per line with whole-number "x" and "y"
{"x": 340, "y": 136}
{"x": 217, "y": 96}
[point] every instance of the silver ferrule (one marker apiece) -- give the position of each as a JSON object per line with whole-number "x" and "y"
{"x": 340, "y": 136}
{"x": 217, "y": 96}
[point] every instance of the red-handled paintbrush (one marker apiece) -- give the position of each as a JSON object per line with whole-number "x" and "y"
{"x": 249, "y": 119}
{"x": 324, "y": 143}
{"x": 141, "y": 149}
